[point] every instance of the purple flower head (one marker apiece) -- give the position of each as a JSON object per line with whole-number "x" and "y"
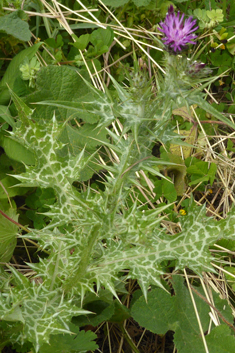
{"x": 178, "y": 33}
{"x": 197, "y": 70}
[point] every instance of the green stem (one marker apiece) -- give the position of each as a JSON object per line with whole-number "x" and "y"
{"x": 45, "y": 20}
{"x": 119, "y": 16}
{"x": 13, "y": 221}
{"x": 128, "y": 339}
{"x": 224, "y": 6}
{"x": 111, "y": 206}
{"x": 85, "y": 259}
{"x": 119, "y": 180}
{"x": 56, "y": 267}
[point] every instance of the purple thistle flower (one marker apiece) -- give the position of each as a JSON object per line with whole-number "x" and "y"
{"x": 178, "y": 34}
{"x": 197, "y": 69}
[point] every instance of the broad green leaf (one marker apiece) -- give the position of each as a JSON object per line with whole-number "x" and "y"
{"x": 231, "y": 48}
{"x": 154, "y": 315}
{"x": 79, "y": 341}
{"x": 200, "y": 168}
{"x": 9, "y": 185}
{"x": 8, "y": 234}
{"x": 224, "y": 307}
{"x": 88, "y": 136}
{"x": 9, "y": 166}
{"x": 169, "y": 191}
{"x": 81, "y": 42}
{"x": 7, "y": 331}
{"x": 13, "y": 72}
{"x": 222, "y": 60}
{"x": 221, "y": 340}
{"x": 166, "y": 189}
{"x": 102, "y": 37}
{"x": 6, "y": 115}
{"x": 17, "y": 151}
{"x": 58, "y": 83}
{"x": 114, "y": 3}
{"x": 101, "y": 310}
{"x": 139, "y": 3}
{"x": 201, "y": 171}
{"x": 164, "y": 312}
{"x": 13, "y": 25}
{"x": 92, "y": 105}
{"x": 187, "y": 337}
{"x": 51, "y": 42}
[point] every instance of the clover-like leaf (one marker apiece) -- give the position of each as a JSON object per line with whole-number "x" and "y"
{"x": 215, "y": 15}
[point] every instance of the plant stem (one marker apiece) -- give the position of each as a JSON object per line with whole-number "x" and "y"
{"x": 85, "y": 259}
{"x": 13, "y": 221}
{"x": 128, "y": 339}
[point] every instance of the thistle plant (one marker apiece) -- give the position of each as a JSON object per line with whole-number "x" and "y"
{"x": 183, "y": 75}
{"x": 95, "y": 239}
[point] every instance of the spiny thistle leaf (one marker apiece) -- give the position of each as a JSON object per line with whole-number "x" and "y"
{"x": 190, "y": 248}
{"x": 41, "y": 311}
{"x": 50, "y": 170}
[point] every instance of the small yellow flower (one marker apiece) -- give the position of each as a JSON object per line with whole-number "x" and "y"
{"x": 209, "y": 191}
{"x": 182, "y": 212}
